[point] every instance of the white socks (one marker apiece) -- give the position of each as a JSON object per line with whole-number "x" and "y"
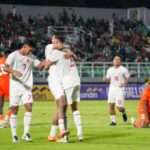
{"x": 113, "y": 118}
{"x": 78, "y": 123}
{"x": 53, "y": 130}
{"x": 13, "y": 124}
{"x": 27, "y": 121}
{"x": 61, "y": 124}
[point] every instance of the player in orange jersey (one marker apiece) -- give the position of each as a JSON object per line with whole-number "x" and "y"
{"x": 4, "y": 89}
{"x": 143, "y": 108}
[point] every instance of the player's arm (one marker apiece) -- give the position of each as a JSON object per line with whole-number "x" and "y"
{"x": 37, "y": 63}
{"x": 70, "y": 54}
{"x": 8, "y": 69}
{"x": 107, "y": 77}
{"x": 125, "y": 82}
{"x": 127, "y": 78}
{"x": 48, "y": 63}
{"x": 41, "y": 65}
{"x": 51, "y": 59}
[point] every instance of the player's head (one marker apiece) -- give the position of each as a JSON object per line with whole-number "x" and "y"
{"x": 117, "y": 60}
{"x": 58, "y": 38}
{"x": 28, "y": 46}
{"x": 147, "y": 81}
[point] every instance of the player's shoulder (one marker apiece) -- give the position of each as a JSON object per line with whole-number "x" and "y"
{"x": 110, "y": 68}
{"x": 49, "y": 46}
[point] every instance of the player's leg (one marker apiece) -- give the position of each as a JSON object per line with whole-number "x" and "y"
{"x": 8, "y": 114}
{"x": 120, "y": 104}
{"x": 14, "y": 103}
{"x": 1, "y": 110}
{"x": 66, "y": 138}
{"x": 52, "y": 134}
{"x": 73, "y": 97}
{"x": 27, "y": 100}
{"x": 111, "y": 102}
{"x": 1, "y": 104}
{"x": 60, "y": 110}
{"x": 112, "y": 114}
{"x": 58, "y": 93}
{"x": 141, "y": 122}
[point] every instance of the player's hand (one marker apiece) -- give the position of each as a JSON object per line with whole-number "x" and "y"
{"x": 18, "y": 73}
{"x": 121, "y": 85}
{"x": 68, "y": 55}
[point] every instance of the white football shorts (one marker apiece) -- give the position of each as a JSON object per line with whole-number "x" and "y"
{"x": 116, "y": 95}
{"x": 56, "y": 88}
{"x": 19, "y": 99}
{"x": 73, "y": 94}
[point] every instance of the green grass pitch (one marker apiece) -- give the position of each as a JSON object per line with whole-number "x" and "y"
{"x": 97, "y": 132}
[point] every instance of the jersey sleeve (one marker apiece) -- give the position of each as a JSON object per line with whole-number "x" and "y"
{"x": 36, "y": 62}
{"x": 55, "y": 56}
{"x": 48, "y": 51}
{"x": 10, "y": 59}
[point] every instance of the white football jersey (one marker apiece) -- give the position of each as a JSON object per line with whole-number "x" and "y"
{"x": 117, "y": 76}
{"x": 24, "y": 64}
{"x": 66, "y": 68}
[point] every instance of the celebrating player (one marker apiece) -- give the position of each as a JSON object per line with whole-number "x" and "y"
{"x": 69, "y": 78}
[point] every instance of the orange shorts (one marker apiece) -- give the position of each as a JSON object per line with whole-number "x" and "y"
{"x": 4, "y": 90}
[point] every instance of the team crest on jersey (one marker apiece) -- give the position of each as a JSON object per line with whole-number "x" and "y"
{"x": 28, "y": 60}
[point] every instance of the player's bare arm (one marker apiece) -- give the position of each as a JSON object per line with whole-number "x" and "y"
{"x": 70, "y": 54}
{"x": 41, "y": 65}
{"x": 125, "y": 82}
{"x": 9, "y": 70}
{"x": 106, "y": 79}
{"x": 47, "y": 64}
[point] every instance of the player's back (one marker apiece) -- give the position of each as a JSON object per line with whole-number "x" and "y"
{"x": 67, "y": 71}
{"x": 145, "y": 96}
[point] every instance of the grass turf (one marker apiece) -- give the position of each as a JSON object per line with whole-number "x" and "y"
{"x": 97, "y": 132}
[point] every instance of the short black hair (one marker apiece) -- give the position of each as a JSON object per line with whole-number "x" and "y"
{"x": 60, "y": 37}
{"x": 31, "y": 43}
{"x": 7, "y": 52}
{"x": 118, "y": 55}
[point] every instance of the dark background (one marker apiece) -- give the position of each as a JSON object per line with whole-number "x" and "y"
{"x": 83, "y": 3}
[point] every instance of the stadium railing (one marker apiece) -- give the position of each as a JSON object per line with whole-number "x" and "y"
{"x": 98, "y": 69}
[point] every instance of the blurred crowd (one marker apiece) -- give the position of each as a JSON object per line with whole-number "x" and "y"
{"x": 96, "y": 40}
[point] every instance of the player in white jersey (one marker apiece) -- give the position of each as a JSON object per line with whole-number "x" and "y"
{"x": 20, "y": 64}
{"x": 118, "y": 76}
{"x": 57, "y": 90}
{"x": 69, "y": 77}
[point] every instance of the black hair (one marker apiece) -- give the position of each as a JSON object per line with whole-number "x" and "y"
{"x": 31, "y": 43}
{"x": 118, "y": 55}
{"x": 60, "y": 37}
{"x": 7, "y": 52}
